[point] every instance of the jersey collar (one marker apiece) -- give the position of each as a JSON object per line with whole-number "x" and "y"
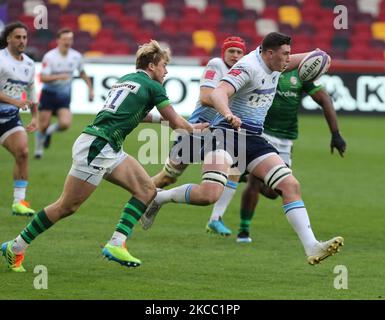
{"x": 261, "y": 62}
{"x": 144, "y": 71}
{"x": 13, "y": 58}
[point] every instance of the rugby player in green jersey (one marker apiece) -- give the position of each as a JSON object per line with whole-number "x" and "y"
{"x": 98, "y": 154}
{"x": 280, "y": 129}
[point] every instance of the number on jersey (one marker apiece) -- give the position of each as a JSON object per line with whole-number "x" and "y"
{"x": 118, "y": 93}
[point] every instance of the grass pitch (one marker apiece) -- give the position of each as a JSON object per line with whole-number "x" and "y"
{"x": 344, "y": 196}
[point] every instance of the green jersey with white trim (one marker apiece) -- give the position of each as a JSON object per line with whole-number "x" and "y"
{"x": 127, "y": 103}
{"x": 282, "y": 118}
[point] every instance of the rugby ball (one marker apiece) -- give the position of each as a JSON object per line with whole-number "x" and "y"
{"x": 313, "y": 65}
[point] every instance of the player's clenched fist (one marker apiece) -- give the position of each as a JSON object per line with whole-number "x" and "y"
{"x": 234, "y": 121}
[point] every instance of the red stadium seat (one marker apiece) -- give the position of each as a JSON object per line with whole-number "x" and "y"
{"x": 113, "y": 8}
{"x": 28, "y": 21}
{"x": 68, "y": 18}
{"x": 142, "y": 36}
{"x": 191, "y": 13}
{"x": 211, "y": 25}
{"x": 198, "y": 52}
{"x": 235, "y": 4}
{"x": 270, "y": 13}
{"x": 246, "y": 26}
{"x": 121, "y": 49}
{"x": 170, "y": 26}
{"x": 105, "y": 35}
{"x": 311, "y": 4}
{"x": 375, "y": 54}
{"x": 129, "y": 25}
{"x": 213, "y": 11}
{"x": 188, "y": 24}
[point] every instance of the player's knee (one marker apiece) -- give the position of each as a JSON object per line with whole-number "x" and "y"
{"x": 146, "y": 192}
{"x": 64, "y": 125}
{"x": 276, "y": 175}
{"x": 294, "y": 186}
{"x": 290, "y": 187}
{"x": 21, "y": 154}
{"x": 43, "y": 126}
{"x": 213, "y": 194}
{"x": 151, "y": 191}
{"x": 66, "y": 209}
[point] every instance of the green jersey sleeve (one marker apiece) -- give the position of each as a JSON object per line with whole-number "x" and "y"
{"x": 161, "y": 99}
{"x": 311, "y": 88}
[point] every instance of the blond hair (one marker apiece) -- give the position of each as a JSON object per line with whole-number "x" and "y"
{"x": 151, "y": 52}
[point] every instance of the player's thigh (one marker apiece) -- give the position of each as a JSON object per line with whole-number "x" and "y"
{"x": 130, "y": 175}
{"x": 217, "y": 161}
{"x": 17, "y": 142}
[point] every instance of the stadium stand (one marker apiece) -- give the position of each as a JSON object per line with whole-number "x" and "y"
{"x": 194, "y": 27}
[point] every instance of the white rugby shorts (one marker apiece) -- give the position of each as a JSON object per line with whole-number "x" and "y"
{"x": 283, "y": 146}
{"x": 103, "y": 164}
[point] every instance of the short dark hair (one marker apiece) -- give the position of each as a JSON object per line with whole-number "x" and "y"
{"x": 8, "y": 29}
{"x": 274, "y": 40}
{"x": 63, "y": 30}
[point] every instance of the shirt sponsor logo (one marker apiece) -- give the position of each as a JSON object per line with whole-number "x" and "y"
{"x": 131, "y": 86}
{"x": 293, "y": 80}
{"x": 287, "y": 94}
{"x": 210, "y": 74}
{"x": 235, "y": 72}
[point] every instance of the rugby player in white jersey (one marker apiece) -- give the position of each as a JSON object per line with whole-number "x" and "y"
{"x": 243, "y": 98}
{"x": 188, "y": 149}
{"x": 17, "y": 72}
{"x": 58, "y": 66}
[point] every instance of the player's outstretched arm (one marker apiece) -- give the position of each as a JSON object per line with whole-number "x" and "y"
{"x": 295, "y": 60}
{"x": 54, "y": 77}
{"x": 325, "y": 101}
{"x": 178, "y": 122}
{"x": 152, "y": 118}
{"x": 87, "y": 80}
{"x": 204, "y": 96}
